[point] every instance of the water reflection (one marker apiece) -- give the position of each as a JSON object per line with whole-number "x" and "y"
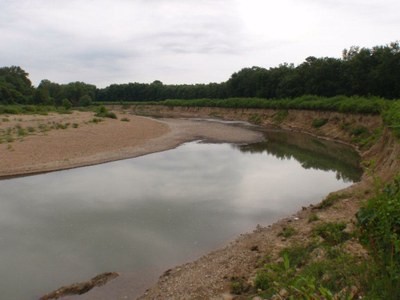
{"x": 311, "y": 153}
{"x": 150, "y": 213}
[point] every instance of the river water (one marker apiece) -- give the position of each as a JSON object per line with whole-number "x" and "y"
{"x": 150, "y": 213}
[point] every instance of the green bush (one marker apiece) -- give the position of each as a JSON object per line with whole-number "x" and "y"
{"x": 287, "y": 232}
{"x": 332, "y": 233}
{"x": 317, "y": 123}
{"x": 379, "y": 224}
{"x": 102, "y": 112}
{"x": 66, "y": 104}
{"x": 391, "y": 117}
{"x": 85, "y": 100}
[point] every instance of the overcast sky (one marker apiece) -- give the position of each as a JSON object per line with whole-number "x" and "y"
{"x": 182, "y": 41}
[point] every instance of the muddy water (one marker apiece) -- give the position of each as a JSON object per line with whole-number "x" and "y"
{"x": 146, "y": 214}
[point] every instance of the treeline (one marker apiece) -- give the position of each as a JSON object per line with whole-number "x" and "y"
{"x": 360, "y": 72}
{"x": 16, "y": 88}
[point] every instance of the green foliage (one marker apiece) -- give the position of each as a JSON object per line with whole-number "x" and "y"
{"x": 66, "y": 104}
{"x": 95, "y": 120}
{"x": 332, "y": 233}
{"x": 287, "y": 232}
{"x": 379, "y": 224}
{"x": 280, "y": 116}
{"x": 238, "y": 285}
{"x": 355, "y": 104}
{"x": 317, "y": 123}
{"x": 85, "y": 100}
{"x": 15, "y": 86}
{"x": 391, "y": 117}
{"x": 360, "y": 72}
{"x": 102, "y": 112}
{"x": 331, "y": 199}
{"x": 125, "y": 120}
{"x": 255, "y": 119}
{"x": 297, "y": 276}
{"x": 313, "y": 218}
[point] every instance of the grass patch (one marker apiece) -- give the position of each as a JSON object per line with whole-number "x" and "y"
{"x": 102, "y": 112}
{"x": 332, "y": 233}
{"x": 280, "y": 116}
{"x": 317, "y": 123}
{"x": 379, "y": 225}
{"x": 313, "y": 218}
{"x": 21, "y": 132}
{"x": 287, "y": 232}
{"x": 238, "y": 285}
{"x": 95, "y": 120}
{"x": 125, "y": 120}
{"x": 255, "y": 119}
{"x": 332, "y": 199}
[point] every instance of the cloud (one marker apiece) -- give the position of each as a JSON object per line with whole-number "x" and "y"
{"x": 104, "y": 41}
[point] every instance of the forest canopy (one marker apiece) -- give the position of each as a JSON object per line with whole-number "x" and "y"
{"x": 359, "y": 72}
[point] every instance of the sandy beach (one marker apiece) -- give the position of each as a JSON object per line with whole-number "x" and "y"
{"x": 36, "y": 144}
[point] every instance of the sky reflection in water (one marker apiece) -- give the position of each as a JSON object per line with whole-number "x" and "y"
{"x": 149, "y": 213}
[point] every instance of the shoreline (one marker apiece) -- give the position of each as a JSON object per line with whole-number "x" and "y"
{"x": 146, "y": 136}
{"x": 210, "y": 275}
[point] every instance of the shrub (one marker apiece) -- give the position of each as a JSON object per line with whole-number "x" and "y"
{"x": 85, "y": 100}
{"x": 287, "y": 232}
{"x": 332, "y": 233}
{"x": 379, "y": 224}
{"x": 280, "y": 116}
{"x": 317, "y": 123}
{"x": 66, "y": 104}
{"x": 104, "y": 113}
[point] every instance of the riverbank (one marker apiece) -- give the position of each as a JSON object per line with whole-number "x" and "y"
{"x": 36, "y": 143}
{"x": 230, "y": 273}
{"x": 212, "y": 276}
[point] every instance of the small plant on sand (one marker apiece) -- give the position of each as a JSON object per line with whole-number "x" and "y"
{"x": 125, "y": 120}
{"x": 313, "y": 218}
{"x": 287, "y": 232}
{"x": 331, "y": 199}
{"x": 239, "y": 285}
{"x": 255, "y": 119}
{"x": 317, "y": 123}
{"x": 332, "y": 233}
{"x": 95, "y": 120}
{"x": 102, "y": 112}
{"x": 280, "y": 116}
{"x": 21, "y": 131}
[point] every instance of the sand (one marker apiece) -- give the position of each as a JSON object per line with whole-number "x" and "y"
{"x": 36, "y": 144}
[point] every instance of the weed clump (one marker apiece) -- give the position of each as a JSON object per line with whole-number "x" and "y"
{"x": 317, "y": 123}
{"x": 104, "y": 113}
{"x": 287, "y": 232}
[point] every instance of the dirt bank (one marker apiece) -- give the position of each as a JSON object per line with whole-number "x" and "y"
{"x": 210, "y": 277}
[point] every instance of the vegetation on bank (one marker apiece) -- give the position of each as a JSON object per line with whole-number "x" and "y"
{"x": 323, "y": 267}
{"x": 327, "y": 266}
